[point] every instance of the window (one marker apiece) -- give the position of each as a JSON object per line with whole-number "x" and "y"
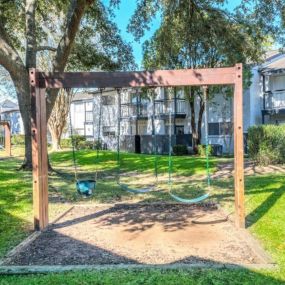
{"x": 214, "y": 129}
{"x": 108, "y": 100}
{"x": 89, "y": 130}
{"x": 109, "y": 131}
{"x": 89, "y": 116}
{"x": 179, "y": 130}
{"x": 78, "y": 107}
{"x": 217, "y": 129}
{"x": 89, "y": 106}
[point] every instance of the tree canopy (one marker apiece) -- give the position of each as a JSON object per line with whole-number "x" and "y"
{"x": 198, "y": 34}
{"x": 70, "y": 34}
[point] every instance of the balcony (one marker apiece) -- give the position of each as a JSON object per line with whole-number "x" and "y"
{"x": 274, "y": 100}
{"x": 161, "y": 109}
{"x": 177, "y": 107}
{"x": 130, "y": 110}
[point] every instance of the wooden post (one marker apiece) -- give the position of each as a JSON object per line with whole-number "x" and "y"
{"x": 7, "y": 138}
{"x": 238, "y": 150}
{"x": 39, "y": 152}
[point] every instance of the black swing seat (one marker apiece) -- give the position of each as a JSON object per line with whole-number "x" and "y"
{"x": 85, "y": 187}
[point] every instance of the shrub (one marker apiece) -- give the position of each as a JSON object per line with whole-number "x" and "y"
{"x": 78, "y": 141}
{"x": 266, "y": 144}
{"x": 98, "y": 145}
{"x": 65, "y": 143}
{"x": 180, "y": 149}
{"x": 85, "y": 145}
{"x": 202, "y": 150}
{"x": 18, "y": 139}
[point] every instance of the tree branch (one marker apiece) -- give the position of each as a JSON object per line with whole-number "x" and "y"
{"x": 74, "y": 16}
{"x": 43, "y": 48}
{"x": 31, "y": 55}
{"x": 9, "y": 57}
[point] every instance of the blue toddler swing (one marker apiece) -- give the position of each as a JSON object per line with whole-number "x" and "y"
{"x": 86, "y": 187}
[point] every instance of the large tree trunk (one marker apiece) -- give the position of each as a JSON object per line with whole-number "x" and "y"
{"x": 21, "y": 83}
{"x": 55, "y": 138}
{"x": 200, "y": 119}
{"x": 191, "y": 95}
{"x": 58, "y": 118}
{"x": 18, "y": 70}
{"x": 196, "y": 128}
{"x": 23, "y": 91}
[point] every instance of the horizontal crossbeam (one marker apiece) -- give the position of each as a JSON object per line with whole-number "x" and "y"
{"x": 158, "y": 78}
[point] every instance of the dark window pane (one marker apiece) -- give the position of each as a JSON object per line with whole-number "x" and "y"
{"x": 179, "y": 130}
{"x": 109, "y": 131}
{"x": 213, "y": 129}
{"x": 108, "y": 100}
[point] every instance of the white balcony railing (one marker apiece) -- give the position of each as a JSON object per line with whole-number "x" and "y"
{"x": 161, "y": 108}
{"x": 275, "y": 100}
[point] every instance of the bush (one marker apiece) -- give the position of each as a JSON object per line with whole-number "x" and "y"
{"x": 78, "y": 141}
{"x": 98, "y": 145}
{"x": 85, "y": 145}
{"x": 202, "y": 150}
{"x": 18, "y": 139}
{"x": 180, "y": 149}
{"x": 266, "y": 144}
{"x": 65, "y": 143}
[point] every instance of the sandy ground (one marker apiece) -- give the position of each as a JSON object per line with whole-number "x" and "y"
{"x": 226, "y": 170}
{"x": 138, "y": 234}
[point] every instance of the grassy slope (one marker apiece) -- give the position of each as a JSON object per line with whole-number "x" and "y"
{"x": 15, "y": 204}
{"x": 265, "y": 207}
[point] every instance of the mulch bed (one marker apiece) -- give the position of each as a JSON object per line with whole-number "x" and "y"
{"x": 138, "y": 234}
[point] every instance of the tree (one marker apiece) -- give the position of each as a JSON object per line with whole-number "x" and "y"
{"x": 32, "y": 27}
{"x": 196, "y": 34}
{"x": 58, "y": 119}
{"x": 268, "y": 15}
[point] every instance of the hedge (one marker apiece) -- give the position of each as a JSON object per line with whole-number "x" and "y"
{"x": 266, "y": 144}
{"x": 180, "y": 149}
{"x": 80, "y": 142}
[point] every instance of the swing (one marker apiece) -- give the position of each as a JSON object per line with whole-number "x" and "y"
{"x": 124, "y": 186}
{"x": 85, "y": 187}
{"x": 170, "y": 182}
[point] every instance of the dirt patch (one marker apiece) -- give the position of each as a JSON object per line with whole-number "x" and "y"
{"x": 226, "y": 170}
{"x": 138, "y": 234}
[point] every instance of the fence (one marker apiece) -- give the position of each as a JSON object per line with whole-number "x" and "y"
{"x": 148, "y": 142}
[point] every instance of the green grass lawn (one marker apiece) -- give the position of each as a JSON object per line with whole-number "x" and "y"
{"x": 265, "y": 204}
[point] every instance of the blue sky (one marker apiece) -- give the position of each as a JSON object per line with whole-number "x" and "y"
{"x": 123, "y": 15}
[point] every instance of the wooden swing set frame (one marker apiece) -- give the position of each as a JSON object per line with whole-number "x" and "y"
{"x": 40, "y": 81}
